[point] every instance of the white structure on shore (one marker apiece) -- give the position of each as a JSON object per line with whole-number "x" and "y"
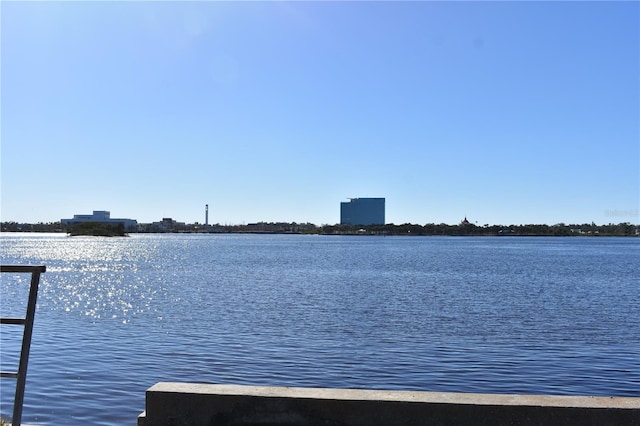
{"x": 100, "y": 216}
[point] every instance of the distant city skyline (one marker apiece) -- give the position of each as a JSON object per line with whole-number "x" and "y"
{"x": 104, "y": 216}
{"x": 503, "y": 112}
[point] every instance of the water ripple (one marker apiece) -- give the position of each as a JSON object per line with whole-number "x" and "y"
{"x": 524, "y": 315}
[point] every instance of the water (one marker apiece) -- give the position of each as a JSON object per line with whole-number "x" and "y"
{"x": 480, "y": 314}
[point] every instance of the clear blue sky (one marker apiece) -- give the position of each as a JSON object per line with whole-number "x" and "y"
{"x": 506, "y": 112}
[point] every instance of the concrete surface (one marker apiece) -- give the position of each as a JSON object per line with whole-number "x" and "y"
{"x": 193, "y": 404}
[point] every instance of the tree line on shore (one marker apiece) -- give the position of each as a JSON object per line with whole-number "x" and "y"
{"x": 560, "y": 229}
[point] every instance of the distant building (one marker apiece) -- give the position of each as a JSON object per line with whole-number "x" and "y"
{"x": 362, "y": 211}
{"x": 167, "y": 225}
{"x": 100, "y": 216}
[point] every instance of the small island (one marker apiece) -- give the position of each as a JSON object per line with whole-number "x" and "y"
{"x": 97, "y": 229}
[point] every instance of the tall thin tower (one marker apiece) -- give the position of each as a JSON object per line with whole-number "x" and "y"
{"x": 206, "y": 215}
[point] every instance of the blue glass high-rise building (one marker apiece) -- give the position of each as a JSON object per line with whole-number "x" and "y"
{"x": 362, "y": 211}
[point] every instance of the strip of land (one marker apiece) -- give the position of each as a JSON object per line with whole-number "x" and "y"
{"x": 625, "y": 229}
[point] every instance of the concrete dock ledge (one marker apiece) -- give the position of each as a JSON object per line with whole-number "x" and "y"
{"x": 193, "y": 404}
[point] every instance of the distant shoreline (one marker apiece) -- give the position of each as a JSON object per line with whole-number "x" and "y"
{"x": 465, "y": 228}
{"x": 359, "y": 234}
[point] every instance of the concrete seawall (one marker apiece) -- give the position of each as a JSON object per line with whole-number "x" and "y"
{"x": 182, "y": 404}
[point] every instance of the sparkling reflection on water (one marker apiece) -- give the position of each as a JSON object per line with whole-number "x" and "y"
{"x": 495, "y": 315}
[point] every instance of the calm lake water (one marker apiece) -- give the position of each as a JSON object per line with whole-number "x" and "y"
{"x": 458, "y": 314}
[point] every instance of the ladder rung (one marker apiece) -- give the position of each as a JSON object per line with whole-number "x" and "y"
{"x": 16, "y": 321}
{"x": 9, "y": 374}
{"x": 22, "y": 268}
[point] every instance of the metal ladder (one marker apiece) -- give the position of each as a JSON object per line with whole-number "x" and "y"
{"x": 27, "y": 322}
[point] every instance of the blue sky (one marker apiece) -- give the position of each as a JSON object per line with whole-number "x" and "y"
{"x": 506, "y": 112}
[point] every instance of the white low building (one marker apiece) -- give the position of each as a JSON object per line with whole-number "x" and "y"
{"x": 100, "y": 216}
